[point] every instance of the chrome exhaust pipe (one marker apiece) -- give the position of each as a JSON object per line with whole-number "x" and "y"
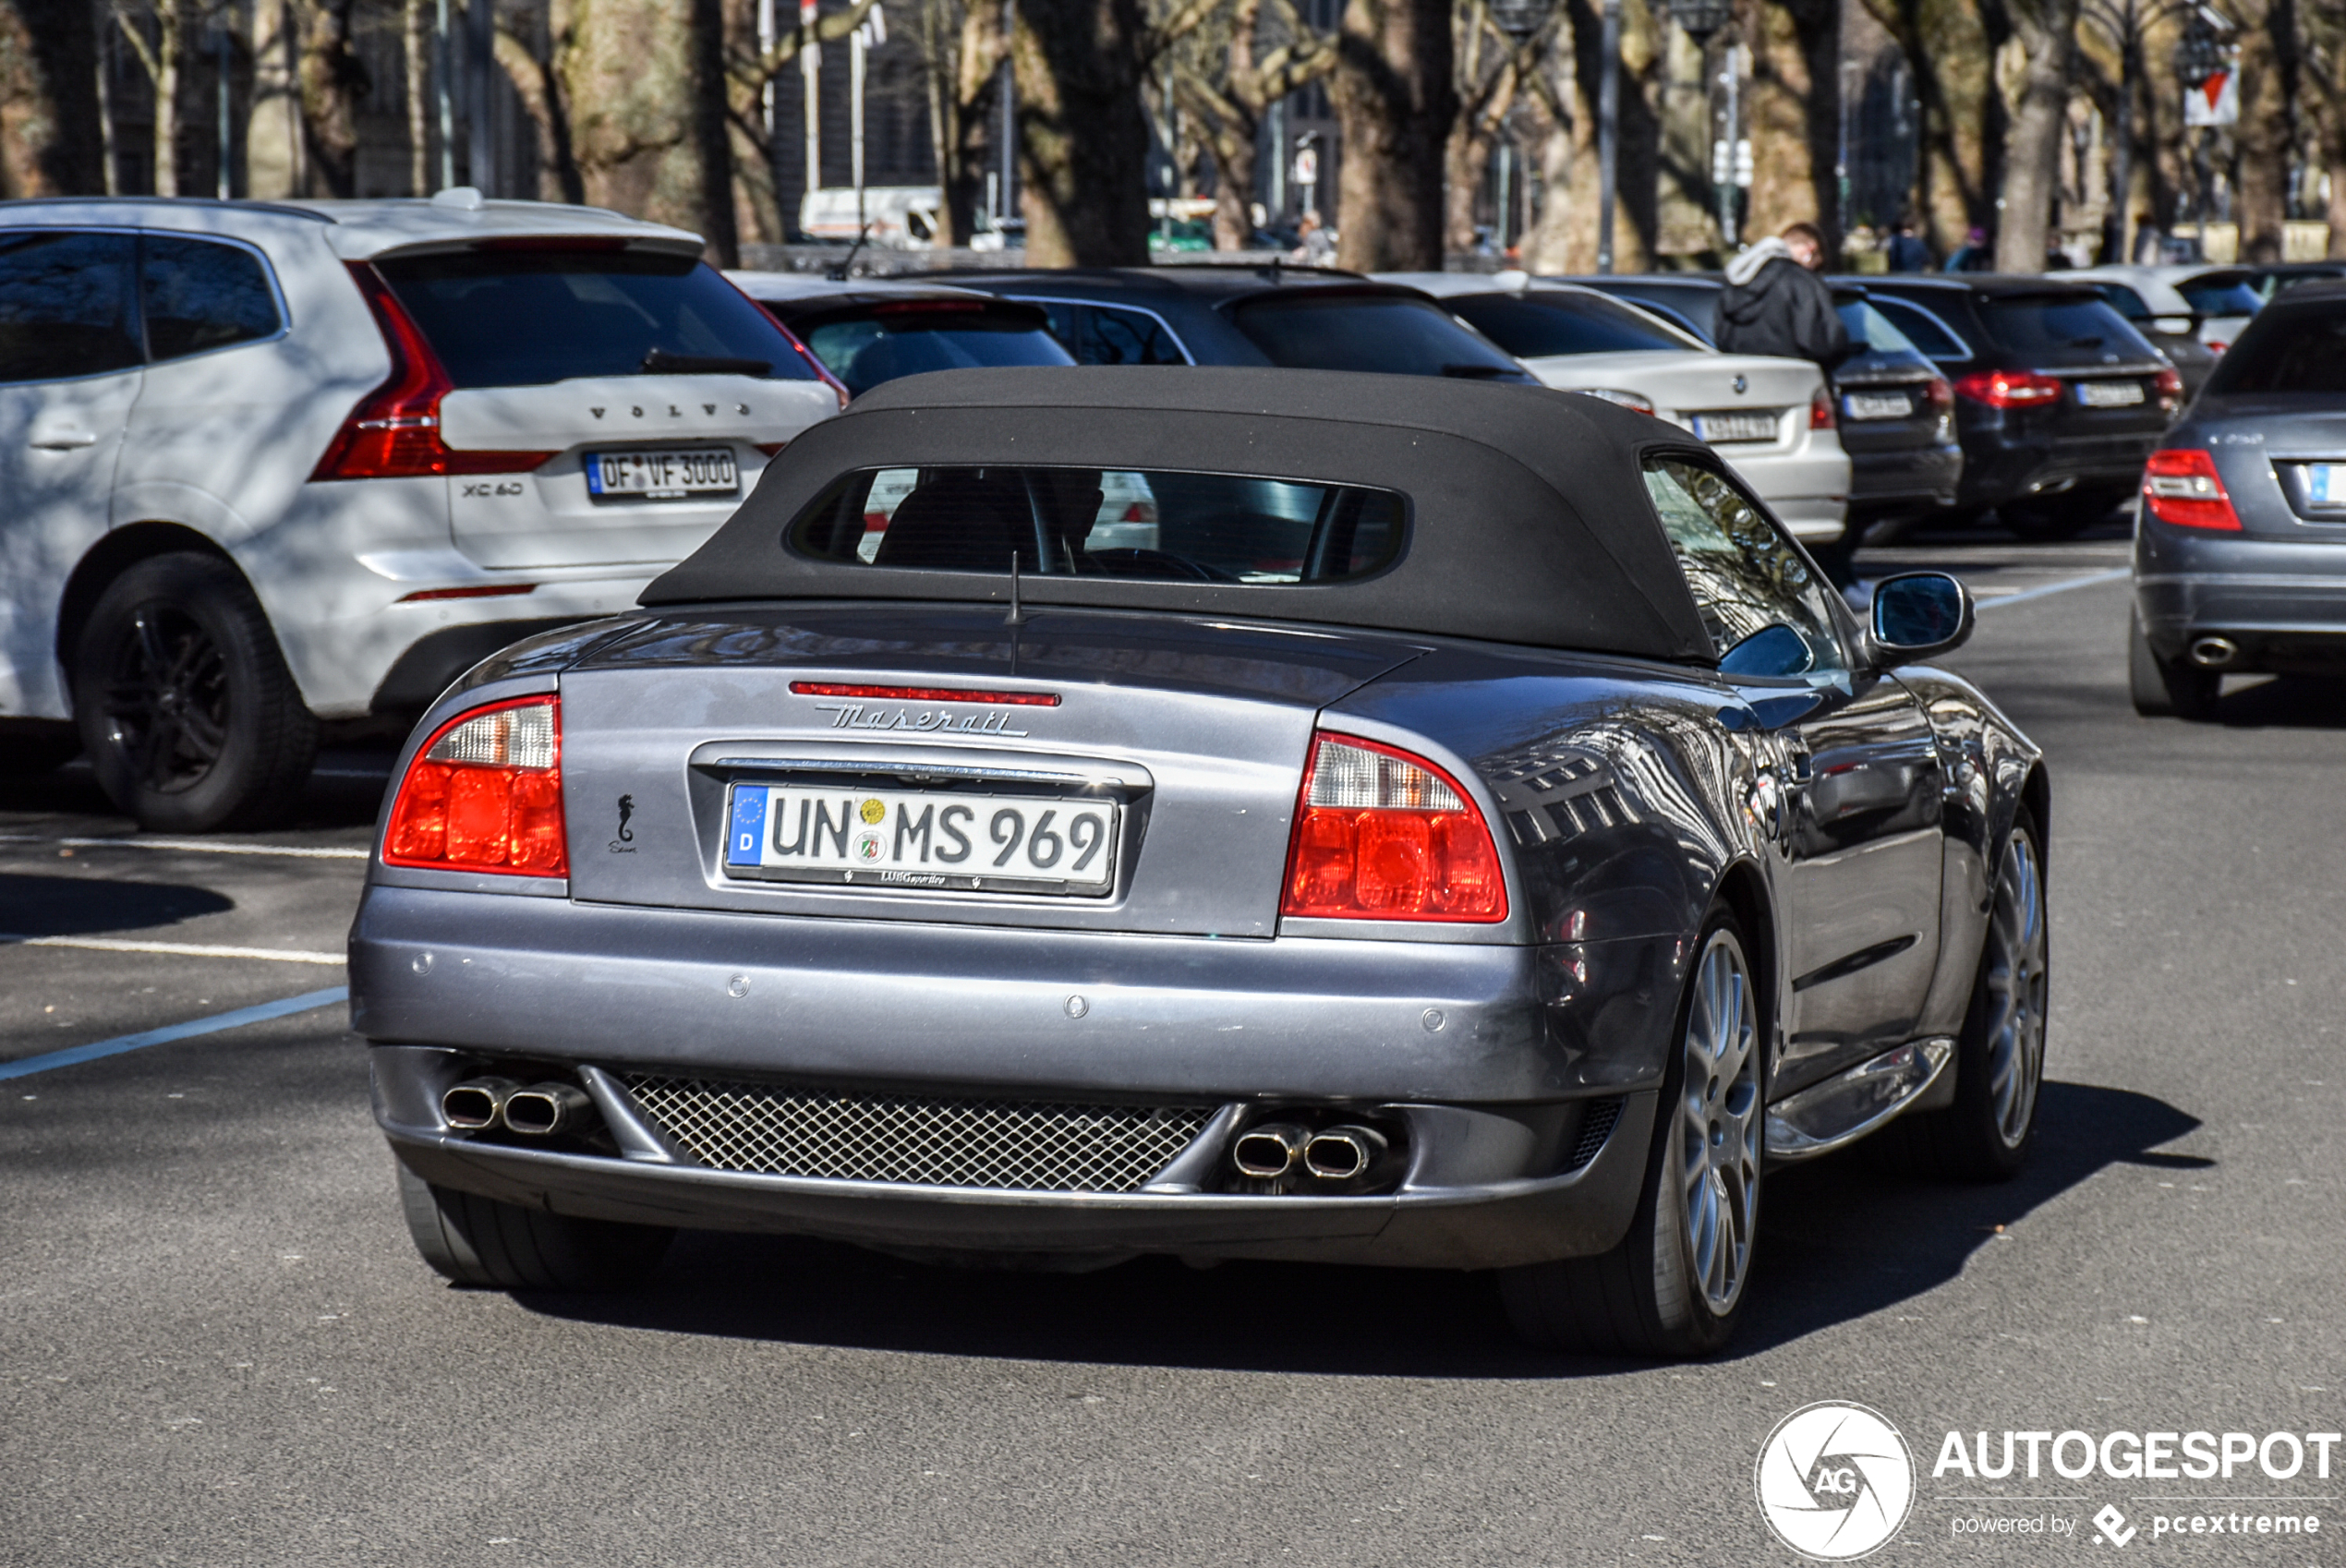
{"x": 475, "y": 1104}
{"x": 543, "y": 1109}
{"x": 1269, "y": 1151}
{"x": 2213, "y": 653}
{"x": 1341, "y": 1153}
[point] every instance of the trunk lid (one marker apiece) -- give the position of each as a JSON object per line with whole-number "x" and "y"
{"x": 1189, "y": 734}
{"x": 1724, "y": 398}
{"x": 707, "y": 433}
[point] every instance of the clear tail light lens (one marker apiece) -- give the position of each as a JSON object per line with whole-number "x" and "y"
{"x": 485, "y": 793}
{"x": 2010, "y": 389}
{"x": 1820, "y": 411}
{"x": 1637, "y": 401}
{"x": 394, "y": 432}
{"x": 1383, "y": 835}
{"x": 2181, "y": 488}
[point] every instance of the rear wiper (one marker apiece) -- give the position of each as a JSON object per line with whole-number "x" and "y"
{"x": 1479, "y": 372}
{"x": 659, "y": 362}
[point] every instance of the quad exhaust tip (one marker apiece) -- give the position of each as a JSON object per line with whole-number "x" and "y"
{"x": 1341, "y": 1153}
{"x": 2214, "y": 653}
{"x": 476, "y": 1105}
{"x": 1269, "y": 1151}
{"x": 541, "y": 1110}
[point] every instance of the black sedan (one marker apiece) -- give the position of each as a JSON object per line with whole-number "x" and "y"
{"x": 2058, "y": 400}
{"x": 1465, "y": 832}
{"x": 1301, "y": 318}
{"x": 2240, "y": 552}
{"x": 867, "y": 331}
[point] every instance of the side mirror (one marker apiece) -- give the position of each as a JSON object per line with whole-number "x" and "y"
{"x": 1919, "y": 615}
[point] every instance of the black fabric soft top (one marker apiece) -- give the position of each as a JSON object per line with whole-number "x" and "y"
{"x": 1530, "y": 518}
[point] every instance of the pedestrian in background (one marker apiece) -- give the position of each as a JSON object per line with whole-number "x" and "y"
{"x": 1316, "y": 246}
{"x": 1977, "y": 254}
{"x": 1906, "y": 253}
{"x": 1775, "y": 303}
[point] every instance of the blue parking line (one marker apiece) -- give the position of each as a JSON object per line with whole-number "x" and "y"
{"x": 2026, "y": 594}
{"x": 213, "y": 1025}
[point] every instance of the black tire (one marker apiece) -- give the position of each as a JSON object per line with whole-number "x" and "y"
{"x": 2165, "y": 689}
{"x": 1982, "y": 1136}
{"x": 1653, "y": 1295}
{"x": 191, "y": 720}
{"x": 478, "y": 1241}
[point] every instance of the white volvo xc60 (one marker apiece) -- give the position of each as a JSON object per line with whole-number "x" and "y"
{"x": 269, "y": 464}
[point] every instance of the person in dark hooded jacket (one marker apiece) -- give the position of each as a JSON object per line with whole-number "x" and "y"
{"x": 1775, "y": 303}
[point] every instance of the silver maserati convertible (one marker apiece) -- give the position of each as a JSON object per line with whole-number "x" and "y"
{"x": 1068, "y": 815}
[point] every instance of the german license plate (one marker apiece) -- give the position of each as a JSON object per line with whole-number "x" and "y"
{"x": 2326, "y": 484}
{"x": 1736, "y": 426}
{"x": 2109, "y": 394}
{"x": 1877, "y": 405}
{"x": 662, "y": 476}
{"x": 923, "y": 839}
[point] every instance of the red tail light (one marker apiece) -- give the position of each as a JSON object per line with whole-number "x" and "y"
{"x": 2008, "y": 388}
{"x": 2171, "y": 390}
{"x": 1820, "y": 411}
{"x": 2181, "y": 488}
{"x": 1937, "y": 394}
{"x": 394, "y": 432}
{"x": 1383, "y": 835}
{"x": 485, "y": 793}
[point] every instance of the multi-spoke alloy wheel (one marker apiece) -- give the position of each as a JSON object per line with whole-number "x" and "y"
{"x": 1674, "y": 1284}
{"x": 1719, "y": 1123}
{"x": 186, "y": 707}
{"x": 2015, "y": 992}
{"x": 166, "y": 698}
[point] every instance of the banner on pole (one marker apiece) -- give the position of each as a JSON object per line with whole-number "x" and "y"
{"x": 2215, "y": 102}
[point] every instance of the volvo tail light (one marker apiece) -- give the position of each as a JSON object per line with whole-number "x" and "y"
{"x": 2181, "y": 488}
{"x": 2010, "y": 389}
{"x": 394, "y": 432}
{"x": 1820, "y": 411}
{"x": 485, "y": 793}
{"x": 1383, "y": 835}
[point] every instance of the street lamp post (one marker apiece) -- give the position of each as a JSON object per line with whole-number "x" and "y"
{"x": 871, "y": 32}
{"x": 1522, "y": 20}
{"x": 1699, "y": 20}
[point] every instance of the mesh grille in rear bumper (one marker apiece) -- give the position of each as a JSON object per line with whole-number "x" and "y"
{"x": 767, "y": 1130}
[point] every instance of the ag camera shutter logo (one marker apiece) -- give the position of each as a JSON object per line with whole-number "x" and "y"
{"x": 1834, "y": 1481}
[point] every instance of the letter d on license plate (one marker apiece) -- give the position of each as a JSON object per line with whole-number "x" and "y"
{"x": 922, "y": 840}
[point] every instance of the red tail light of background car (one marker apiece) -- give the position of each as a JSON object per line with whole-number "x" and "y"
{"x": 2181, "y": 488}
{"x": 2010, "y": 389}
{"x": 485, "y": 793}
{"x": 1383, "y": 835}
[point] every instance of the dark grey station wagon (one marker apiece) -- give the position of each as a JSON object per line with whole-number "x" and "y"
{"x": 1068, "y": 814}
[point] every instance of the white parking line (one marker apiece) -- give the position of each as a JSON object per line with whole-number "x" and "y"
{"x": 2086, "y": 582}
{"x": 174, "y": 949}
{"x": 213, "y": 1025}
{"x": 196, "y": 846}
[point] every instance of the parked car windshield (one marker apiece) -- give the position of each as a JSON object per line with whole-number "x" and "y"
{"x": 2063, "y": 327}
{"x": 878, "y": 342}
{"x": 2226, "y": 295}
{"x": 525, "y": 317}
{"x": 1313, "y": 328}
{"x": 1160, "y": 526}
{"x": 1551, "y": 322}
{"x": 2290, "y": 349}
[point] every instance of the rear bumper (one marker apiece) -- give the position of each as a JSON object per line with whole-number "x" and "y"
{"x": 1903, "y": 480}
{"x": 2280, "y": 601}
{"x": 1807, "y": 488}
{"x": 1477, "y": 1048}
{"x": 2005, "y": 465}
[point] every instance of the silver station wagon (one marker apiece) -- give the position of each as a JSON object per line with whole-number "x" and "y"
{"x": 1068, "y": 814}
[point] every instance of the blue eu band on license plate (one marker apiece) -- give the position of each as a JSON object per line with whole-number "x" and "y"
{"x": 2326, "y": 484}
{"x": 891, "y": 837}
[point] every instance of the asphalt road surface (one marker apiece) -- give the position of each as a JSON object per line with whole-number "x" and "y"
{"x": 217, "y": 1346}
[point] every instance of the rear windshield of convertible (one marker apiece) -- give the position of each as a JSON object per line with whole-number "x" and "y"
{"x": 1160, "y": 526}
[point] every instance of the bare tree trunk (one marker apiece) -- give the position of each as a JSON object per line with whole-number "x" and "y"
{"x": 415, "y": 34}
{"x": 1083, "y": 138}
{"x": 541, "y": 99}
{"x": 332, "y": 80}
{"x": 965, "y": 83}
{"x": 2267, "y": 130}
{"x": 1816, "y": 27}
{"x": 161, "y": 61}
{"x": 2047, "y": 33}
{"x": 1395, "y": 101}
{"x": 50, "y": 136}
{"x": 712, "y": 141}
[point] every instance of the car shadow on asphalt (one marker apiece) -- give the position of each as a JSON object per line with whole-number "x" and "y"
{"x": 35, "y": 905}
{"x": 2285, "y": 702}
{"x": 1839, "y": 1240}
